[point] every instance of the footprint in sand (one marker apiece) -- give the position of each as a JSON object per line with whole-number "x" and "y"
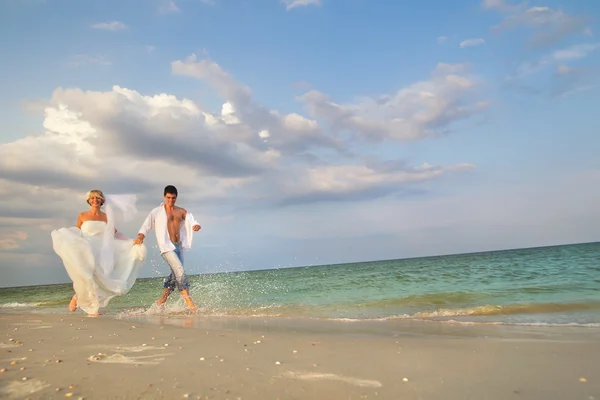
{"x": 137, "y": 349}
{"x": 129, "y": 349}
{"x": 19, "y": 390}
{"x": 314, "y": 376}
{"x": 121, "y": 359}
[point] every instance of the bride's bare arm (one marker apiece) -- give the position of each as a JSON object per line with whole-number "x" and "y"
{"x": 79, "y": 220}
{"x": 119, "y": 235}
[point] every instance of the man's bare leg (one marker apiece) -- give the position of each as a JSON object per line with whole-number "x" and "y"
{"x": 164, "y": 297}
{"x": 73, "y": 303}
{"x": 188, "y": 301}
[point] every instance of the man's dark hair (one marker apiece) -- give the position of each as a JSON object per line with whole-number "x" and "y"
{"x": 171, "y": 190}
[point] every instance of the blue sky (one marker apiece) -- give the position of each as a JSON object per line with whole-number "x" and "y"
{"x": 301, "y": 132}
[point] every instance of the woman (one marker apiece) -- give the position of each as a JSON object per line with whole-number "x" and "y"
{"x": 101, "y": 262}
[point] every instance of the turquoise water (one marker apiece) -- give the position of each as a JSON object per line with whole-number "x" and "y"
{"x": 549, "y": 285}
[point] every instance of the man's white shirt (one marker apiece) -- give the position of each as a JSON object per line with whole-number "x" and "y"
{"x": 157, "y": 219}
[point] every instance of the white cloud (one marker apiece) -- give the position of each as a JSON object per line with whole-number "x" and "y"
{"x": 566, "y": 79}
{"x": 11, "y": 240}
{"x": 92, "y": 136}
{"x": 501, "y": 5}
{"x": 150, "y": 49}
{"x": 291, "y": 4}
{"x": 110, "y": 26}
{"x": 442, "y": 39}
{"x": 296, "y": 122}
{"x": 289, "y": 133}
{"x": 208, "y": 70}
{"x": 228, "y": 114}
{"x": 554, "y": 58}
{"x": 492, "y": 3}
{"x": 264, "y": 134}
{"x": 426, "y": 108}
{"x": 352, "y": 182}
{"x": 121, "y": 140}
{"x": 575, "y": 52}
{"x": 549, "y": 26}
{"x": 168, "y": 7}
{"x": 472, "y": 42}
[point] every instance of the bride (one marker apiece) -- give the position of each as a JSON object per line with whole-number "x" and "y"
{"x": 101, "y": 262}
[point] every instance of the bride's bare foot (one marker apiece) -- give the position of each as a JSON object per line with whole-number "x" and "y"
{"x": 73, "y": 303}
{"x": 93, "y": 315}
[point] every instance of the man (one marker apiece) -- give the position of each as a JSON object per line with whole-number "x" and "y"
{"x": 173, "y": 226}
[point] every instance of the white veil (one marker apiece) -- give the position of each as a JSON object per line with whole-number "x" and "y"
{"x": 119, "y": 208}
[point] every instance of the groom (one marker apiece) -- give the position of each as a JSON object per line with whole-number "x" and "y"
{"x": 173, "y": 226}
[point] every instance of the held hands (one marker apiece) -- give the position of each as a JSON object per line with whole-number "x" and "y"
{"x": 139, "y": 240}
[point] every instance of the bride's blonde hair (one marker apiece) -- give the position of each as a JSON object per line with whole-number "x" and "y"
{"x": 97, "y": 193}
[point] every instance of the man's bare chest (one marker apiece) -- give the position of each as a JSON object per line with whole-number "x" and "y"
{"x": 174, "y": 217}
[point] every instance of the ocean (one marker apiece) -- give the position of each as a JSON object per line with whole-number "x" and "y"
{"x": 558, "y": 285}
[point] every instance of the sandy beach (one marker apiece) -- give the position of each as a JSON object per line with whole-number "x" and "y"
{"x": 56, "y": 357}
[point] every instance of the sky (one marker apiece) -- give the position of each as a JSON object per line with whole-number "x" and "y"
{"x": 301, "y": 132}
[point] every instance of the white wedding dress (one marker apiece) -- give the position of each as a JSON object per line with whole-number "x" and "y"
{"x": 100, "y": 265}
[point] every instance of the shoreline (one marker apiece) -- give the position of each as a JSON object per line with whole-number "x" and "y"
{"x": 178, "y": 310}
{"x": 369, "y": 327}
{"x": 283, "y": 358}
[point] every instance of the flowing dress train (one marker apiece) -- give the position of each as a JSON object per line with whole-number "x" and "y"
{"x": 81, "y": 252}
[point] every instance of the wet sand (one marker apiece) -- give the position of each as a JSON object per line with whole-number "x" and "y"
{"x": 57, "y": 357}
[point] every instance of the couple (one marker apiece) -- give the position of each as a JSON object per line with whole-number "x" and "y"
{"x": 104, "y": 263}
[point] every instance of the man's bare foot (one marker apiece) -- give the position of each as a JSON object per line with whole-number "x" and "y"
{"x": 73, "y": 303}
{"x": 188, "y": 301}
{"x": 164, "y": 297}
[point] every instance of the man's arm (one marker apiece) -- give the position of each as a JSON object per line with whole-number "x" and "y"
{"x": 146, "y": 227}
{"x": 196, "y": 226}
